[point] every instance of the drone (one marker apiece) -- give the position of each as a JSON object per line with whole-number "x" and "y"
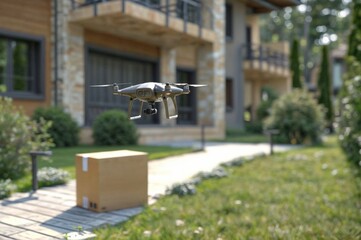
{"x": 152, "y": 92}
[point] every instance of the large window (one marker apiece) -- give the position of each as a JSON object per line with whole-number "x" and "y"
{"x": 20, "y": 67}
{"x": 187, "y": 108}
{"x": 229, "y": 21}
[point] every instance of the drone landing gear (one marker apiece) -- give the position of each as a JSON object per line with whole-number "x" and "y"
{"x": 130, "y": 107}
{"x": 165, "y": 102}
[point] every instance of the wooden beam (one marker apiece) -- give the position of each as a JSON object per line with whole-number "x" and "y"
{"x": 266, "y": 4}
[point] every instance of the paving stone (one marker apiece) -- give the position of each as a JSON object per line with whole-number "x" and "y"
{"x": 6, "y": 230}
{"x": 15, "y": 221}
{"x": 30, "y": 235}
{"x": 128, "y": 212}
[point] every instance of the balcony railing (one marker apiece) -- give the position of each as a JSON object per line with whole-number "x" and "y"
{"x": 190, "y": 11}
{"x": 264, "y": 56}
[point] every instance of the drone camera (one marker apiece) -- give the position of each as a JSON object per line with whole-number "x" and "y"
{"x": 150, "y": 111}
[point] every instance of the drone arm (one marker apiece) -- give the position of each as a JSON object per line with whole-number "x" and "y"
{"x": 130, "y": 107}
{"x": 165, "y": 102}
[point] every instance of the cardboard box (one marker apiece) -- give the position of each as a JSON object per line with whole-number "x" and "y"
{"x": 107, "y": 181}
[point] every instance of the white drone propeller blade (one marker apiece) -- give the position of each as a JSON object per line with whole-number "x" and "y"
{"x": 197, "y": 85}
{"x": 185, "y": 84}
{"x": 102, "y": 85}
{"x": 109, "y": 85}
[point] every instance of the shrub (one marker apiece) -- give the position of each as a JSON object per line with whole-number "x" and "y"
{"x": 64, "y": 130}
{"x": 182, "y": 189}
{"x": 18, "y": 136}
{"x": 189, "y": 187}
{"x": 268, "y": 97}
{"x": 113, "y": 127}
{"x": 253, "y": 127}
{"x": 6, "y": 187}
{"x": 298, "y": 118}
{"x": 49, "y": 176}
{"x": 349, "y": 128}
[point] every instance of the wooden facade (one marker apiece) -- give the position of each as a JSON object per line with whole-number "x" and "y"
{"x": 33, "y": 19}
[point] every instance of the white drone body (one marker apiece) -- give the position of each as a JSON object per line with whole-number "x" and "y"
{"x": 152, "y": 92}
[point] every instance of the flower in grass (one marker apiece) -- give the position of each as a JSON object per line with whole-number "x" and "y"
{"x": 324, "y": 166}
{"x": 199, "y": 230}
{"x": 334, "y": 172}
{"x": 238, "y": 202}
{"x": 179, "y": 222}
{"x": 147, "y": 233}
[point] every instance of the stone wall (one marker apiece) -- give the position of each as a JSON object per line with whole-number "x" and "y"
{"x": 70, "y": 49}
{"x": 211, "y": 71}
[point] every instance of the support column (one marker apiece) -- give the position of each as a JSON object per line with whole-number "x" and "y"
{"x": 168, "y": 73}
{"x": 70, "y": 54}
{"x": 211, "y": 71}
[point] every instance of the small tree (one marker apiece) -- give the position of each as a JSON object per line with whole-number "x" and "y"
{"x": 354, "y": 44}
{"x": 295, "y": 65}
{"x": 324, "y": 87}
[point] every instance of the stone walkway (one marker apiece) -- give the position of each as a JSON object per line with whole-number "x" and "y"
{"x": 51, "y": 212}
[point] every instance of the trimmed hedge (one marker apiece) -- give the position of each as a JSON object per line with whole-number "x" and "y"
{"x": 349, "y": 128}
{"x": 298, "y": 117}
{"x": 64, "y": 130}
{"x": 113, "y": 127}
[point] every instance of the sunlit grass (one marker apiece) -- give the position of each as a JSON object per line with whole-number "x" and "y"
{"x": 309, "y": 193}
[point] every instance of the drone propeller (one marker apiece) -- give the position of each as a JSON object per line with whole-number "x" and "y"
{"x": 186, "y": 84}
{"x": 109, "y": 85}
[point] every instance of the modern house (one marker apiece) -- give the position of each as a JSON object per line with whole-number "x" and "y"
{"x": 52, "y": 51}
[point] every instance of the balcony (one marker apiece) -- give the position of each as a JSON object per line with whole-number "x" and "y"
{"x": 172, "y": 23}
{"x": 266, "y": 6}
{"x": 265, "y": 61}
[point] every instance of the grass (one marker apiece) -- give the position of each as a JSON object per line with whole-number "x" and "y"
{"x": 64, "y": 158}
{"x": 241, "y": 136}
{"x": 246, "y": 138}
{"x": 308, "y": 193}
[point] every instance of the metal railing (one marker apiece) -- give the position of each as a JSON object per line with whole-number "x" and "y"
{"x": 264, "y": 54}
{"x": 190, "y": 11}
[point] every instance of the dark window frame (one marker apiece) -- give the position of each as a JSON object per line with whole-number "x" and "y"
{"x": 229, "y": 21}
{"x": 229, "y": 95}
{"x": 37, "y": 66}
{"x": 192, "y": 97}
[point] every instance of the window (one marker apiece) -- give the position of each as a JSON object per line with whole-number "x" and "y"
{"x": 229, "y": 21}
{"x": 229, "y": 95}
{"x": 189, "y": 10}
{"x": 20, "y": 67}
{"x": 187, "y": 107}
{"x": 338, "y": 69}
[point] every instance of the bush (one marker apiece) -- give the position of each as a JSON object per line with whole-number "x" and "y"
{"x": 49, "y": 176}
{"x": 253, "y": 127}
{"x": 114, "y": 128}
{"x": 268, "y": 97}
{"x": 18, "y": 136}
{"x": 6, "y": 187}
{"x": 349, "y": 128}
{"x": 64, "y": 130}
{"x": 298, "y": 118}
{"x": 189, "y": 187}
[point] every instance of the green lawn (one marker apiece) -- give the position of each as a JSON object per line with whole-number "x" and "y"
{"x": 65, "y": 158}
{"x": 246, "y": 138}
{"x": 309, "y": 193}
{"x": 241, "y": 136}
